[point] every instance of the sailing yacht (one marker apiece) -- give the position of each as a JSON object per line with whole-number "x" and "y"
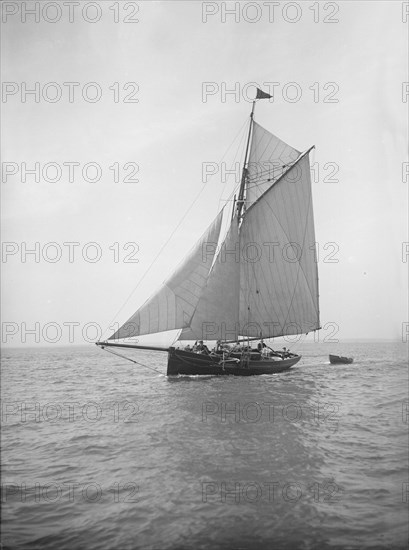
{"x": 259, "y": 282}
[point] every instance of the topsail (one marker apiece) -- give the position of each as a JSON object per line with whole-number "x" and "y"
{"x": 269, "y": 158}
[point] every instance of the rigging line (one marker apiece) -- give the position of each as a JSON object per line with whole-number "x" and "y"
{"x": 234, "y": 191}
{"x": 262, "y": 182}
{"x": 258, "y": 177}
{"x": 242, "y": 141}
{"x": 132, "y": 360}
{"x": 176, "y": 339}
{"x": 264, "y": 173}
{"x": 238, "y": 185}
{"x": 171, "y": 235}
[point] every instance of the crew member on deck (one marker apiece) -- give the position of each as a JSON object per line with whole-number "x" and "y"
{"x": 261, "y": 345}
{"x": 201, "y": 348}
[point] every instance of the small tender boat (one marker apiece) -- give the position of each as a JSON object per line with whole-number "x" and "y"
{"x": 334, "y": 359}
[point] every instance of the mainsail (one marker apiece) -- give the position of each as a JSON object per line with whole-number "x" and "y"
{"x": 278, "y": 271}
{"x": 264, "y": 280}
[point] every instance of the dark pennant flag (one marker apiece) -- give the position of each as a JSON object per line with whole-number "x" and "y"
{"x": 262, "y": 95}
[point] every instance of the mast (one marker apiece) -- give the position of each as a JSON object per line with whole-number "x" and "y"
{"x": 240, "y": 200}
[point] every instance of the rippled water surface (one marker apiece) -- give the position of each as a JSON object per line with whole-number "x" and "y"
{"x": 101, "y": 453}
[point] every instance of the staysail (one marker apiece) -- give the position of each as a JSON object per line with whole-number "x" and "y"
{"x": 172, "y": 307}
{"x": 217, "y": 311}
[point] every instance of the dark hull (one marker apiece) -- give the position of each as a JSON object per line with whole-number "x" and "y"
{"x": 188, "y": 363}
{"x": 336, "y": 359}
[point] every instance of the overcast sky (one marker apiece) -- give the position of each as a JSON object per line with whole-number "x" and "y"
{"x": 353, "y": 56}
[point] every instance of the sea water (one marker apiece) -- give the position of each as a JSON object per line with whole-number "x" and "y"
{"x": 100, "y": 453}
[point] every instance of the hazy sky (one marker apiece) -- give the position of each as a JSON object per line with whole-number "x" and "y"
{"x": 165, "y": 60}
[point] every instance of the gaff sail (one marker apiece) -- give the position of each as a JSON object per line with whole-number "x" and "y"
{"x": 264, "y": 282}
